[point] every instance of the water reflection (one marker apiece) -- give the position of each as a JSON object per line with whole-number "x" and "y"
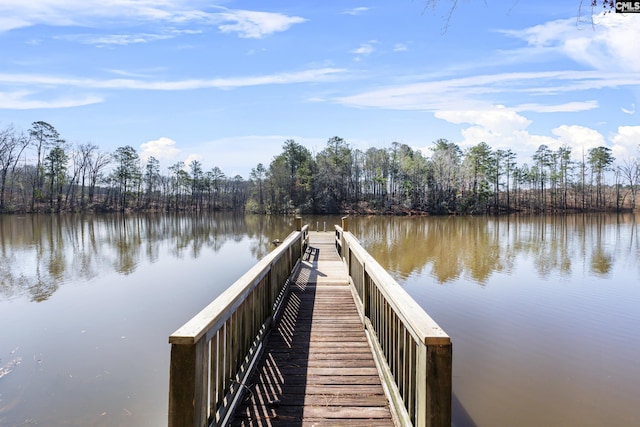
{"x": 478, "y": 247}
{"x": 87, "y": 303}
{"x": 542, "y": 310}
{"x": 39, "y": 253}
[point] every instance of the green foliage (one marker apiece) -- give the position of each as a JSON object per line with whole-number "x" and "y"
{"x": 398, "y": 179}
{"x": 55, "y": 167}
{"x": 127, "y": 174}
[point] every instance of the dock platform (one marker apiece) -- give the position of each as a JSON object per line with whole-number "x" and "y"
{"x": 317, "y": 368}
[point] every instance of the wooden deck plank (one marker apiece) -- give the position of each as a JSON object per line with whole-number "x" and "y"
{"x": 317, "y": 368}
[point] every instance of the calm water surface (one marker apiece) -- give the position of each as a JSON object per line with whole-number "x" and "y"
{"x": 87, "y": 304}
{"x": 544, "y": 312}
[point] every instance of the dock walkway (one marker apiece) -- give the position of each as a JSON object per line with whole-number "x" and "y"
{"x": 317, "y": 368}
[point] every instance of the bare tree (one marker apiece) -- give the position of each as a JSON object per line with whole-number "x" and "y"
{"x": 97, "y": 163}
{"x": 630, "y": 171}
{"x": 12, "y": 144}
{"x": 81, "y": 162}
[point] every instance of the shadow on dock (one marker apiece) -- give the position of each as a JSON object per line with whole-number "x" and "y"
{"x": 317, "y": 367}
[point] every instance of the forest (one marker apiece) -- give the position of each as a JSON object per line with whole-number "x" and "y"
{"x": 41, "y": 172}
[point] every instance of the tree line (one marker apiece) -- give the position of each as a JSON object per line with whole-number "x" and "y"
{"x": 41, "y": 172}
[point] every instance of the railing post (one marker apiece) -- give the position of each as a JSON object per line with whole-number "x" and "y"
{"x": 345, "y": 223}
{"x": 181, "y": 387}
{"x": 433, "y": 408}
{"x": 187, "y": 385}
{"x": 439, "y": 365}
{"x": 298, "y": 223}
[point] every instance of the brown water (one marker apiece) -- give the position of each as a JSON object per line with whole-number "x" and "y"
{"x": 544, "y": 312}
{"x": 87, "y": 304}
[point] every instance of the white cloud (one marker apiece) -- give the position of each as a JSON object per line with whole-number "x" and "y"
{"x": 191, "y": 158}
{"x": 22, "y": 100}
{"x": 626, "y": 142}
{"x": 568, "y": 107}
{"x": 251, "y": 24}
{"x": 305, "y": 76}
{"x": 400, "y": 47}
{"x": 364, "y": 49}
{"x": 19, "y": 14}
{"x": 356, "y": 11}
{"x": 162, "y": 148}
{"x": 498, "y": 126}
{"x": 504, "y": 128}
{"x": 499, "y": 120}
{"x": 116, "y": 39}
{"x": 632, "y": 110}
{"x": 16, "y": 14}
{"x": 124, "y": 39}
{"x": 607, "y": 45}
{"x": 479, "y": 91}
{"x": 579, "y": 138}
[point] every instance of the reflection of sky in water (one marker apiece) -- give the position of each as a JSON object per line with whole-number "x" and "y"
{"x": 102, "y": 345}
{"x": 95, "y": 351}
{"x": 542, "y": 312}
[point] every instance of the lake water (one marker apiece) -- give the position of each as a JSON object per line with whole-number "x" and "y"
{"x": 543, "y": 312}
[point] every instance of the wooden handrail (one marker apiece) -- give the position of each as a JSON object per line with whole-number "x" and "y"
{"x": 213, "y": 353}
{"x": 413, "y": 353}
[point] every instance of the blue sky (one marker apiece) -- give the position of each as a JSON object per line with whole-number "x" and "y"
{"x": 227, "y": 82}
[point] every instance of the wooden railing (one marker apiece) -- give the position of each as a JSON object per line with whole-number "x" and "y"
{"x": 411, "y": 350}
{"x": 212, "y": 354}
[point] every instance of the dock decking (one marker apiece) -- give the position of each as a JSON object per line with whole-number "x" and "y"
{"x": 317, "y": 368}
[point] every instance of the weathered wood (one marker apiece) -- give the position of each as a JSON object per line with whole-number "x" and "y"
{"x": 438, "y": 383}
{"x": 182, "y": 371}
{"x": 412, "y": 351}
{"x": 317, "y": 367}
{"x": 213, "y": 353}
{"x": 317, "y": 364}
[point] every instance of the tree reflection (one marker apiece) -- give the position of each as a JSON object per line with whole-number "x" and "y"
{"x": 477, "y": 247}
{"x": 38, "y": 253}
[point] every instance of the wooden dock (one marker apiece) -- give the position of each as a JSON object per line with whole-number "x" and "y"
{"x": 317, "y": 368}
{"x": 316, "y": 333}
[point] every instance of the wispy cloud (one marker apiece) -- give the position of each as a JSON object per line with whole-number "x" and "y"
{"x": 115, "y": 39}
{"x": 251, "y": 24}
{"x": 604, "y": 46}
{"x": 140, "y": 74}
{"x": 364, "y": 49}
{"x": 569, "y": 107}
{"x": 356, "y": 11}
{"x": 16, "y": 14}
{"x": 632, "y": 110}
{"x": 484, "y": 90}
{"x": 89, "y": 13}
{"x": 400, "y": 47}
{"x": 23, "y": 100}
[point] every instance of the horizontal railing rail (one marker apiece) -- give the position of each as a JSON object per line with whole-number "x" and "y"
{"x": 412, "y": 351}
{"x": 213, "y": 353}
